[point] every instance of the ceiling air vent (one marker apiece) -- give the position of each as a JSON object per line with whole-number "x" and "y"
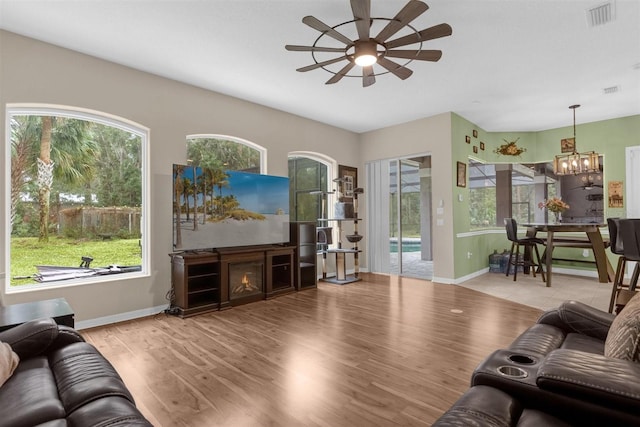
{"x": 601, "y": 15}
{"x": 610, "y": 90}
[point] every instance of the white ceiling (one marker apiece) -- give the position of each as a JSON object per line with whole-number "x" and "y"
{"x": 510, "y": 65}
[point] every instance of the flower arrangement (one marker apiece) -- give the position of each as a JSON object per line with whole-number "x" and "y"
{"x": 554, "y": 204}
{"x": 510, "y": 148}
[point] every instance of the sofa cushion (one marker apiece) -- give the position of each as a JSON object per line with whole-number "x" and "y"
{"x": 83, "y": 375}
{"x": 30, "y": 396}
{"x": 584, "y": 343}
{"x": 108, "y": 412}
{"x": 623, "y": 340}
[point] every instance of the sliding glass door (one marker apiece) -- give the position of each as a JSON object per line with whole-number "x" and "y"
{"x": 400, "y": 217}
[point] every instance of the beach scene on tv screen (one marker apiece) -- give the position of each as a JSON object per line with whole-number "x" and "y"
{"x": 219, "y": 209}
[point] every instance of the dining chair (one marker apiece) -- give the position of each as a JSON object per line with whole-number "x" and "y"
{"x": 511, "y": 227}
{"x": 629, "y": 229}
{"x": 617, "y": 248}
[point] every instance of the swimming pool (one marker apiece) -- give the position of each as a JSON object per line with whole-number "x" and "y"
{"x": 408, "y": 245}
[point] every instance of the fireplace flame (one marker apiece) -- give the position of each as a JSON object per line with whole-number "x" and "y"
{"x": 245, "y": 286}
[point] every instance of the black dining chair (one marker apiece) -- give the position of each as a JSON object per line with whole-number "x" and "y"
{"x": 528, "y": 243}
{"x": 617, "y": 248}
{"x": 630, "y": 232}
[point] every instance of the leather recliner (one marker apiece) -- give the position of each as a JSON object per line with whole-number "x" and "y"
{"x": 62, "y": 380}
{"x": 558, "y": 368}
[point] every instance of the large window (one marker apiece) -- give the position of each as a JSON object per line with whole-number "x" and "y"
{"x": 77, "y": 197}
{"x": 309, "y": 197}
{"x": 224, "y": 153}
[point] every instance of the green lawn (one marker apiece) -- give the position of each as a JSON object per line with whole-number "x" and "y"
{"x": 27, "y": 252}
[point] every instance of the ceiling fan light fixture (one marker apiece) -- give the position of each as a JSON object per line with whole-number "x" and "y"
{"x": 366, "y": 53}
{"x": 369, "y": 50}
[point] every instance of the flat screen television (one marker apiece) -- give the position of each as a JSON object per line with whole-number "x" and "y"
{"x": 221, "y": 209}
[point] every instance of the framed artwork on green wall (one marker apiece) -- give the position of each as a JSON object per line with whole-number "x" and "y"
{"x": 461, "y": 174}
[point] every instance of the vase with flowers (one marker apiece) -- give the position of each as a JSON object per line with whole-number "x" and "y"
{"x": 556, "y": 206}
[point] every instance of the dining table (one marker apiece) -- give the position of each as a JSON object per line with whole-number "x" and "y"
{"x": 594, "y": 241}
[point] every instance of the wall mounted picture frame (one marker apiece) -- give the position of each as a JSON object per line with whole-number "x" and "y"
{"x": 482, "y": 146}
{"x": 568, "y": 145}
{"x": 349, "y": 176}
{"x": 467, "y": 139}
{"x": 461, "y": 174}
{"x": 616, "y": 198}
{"x": 475, "y": 149}
{"x": 475, "y": 133}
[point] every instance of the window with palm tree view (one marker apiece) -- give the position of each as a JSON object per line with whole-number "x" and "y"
{"x": 76, "y": 197}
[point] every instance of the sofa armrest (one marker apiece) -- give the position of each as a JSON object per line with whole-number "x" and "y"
{"x": 31, "y": 338}
{"x": 38, "y": 336}
{"x": 574, "y": 316}
{"x": 605, "y": 381}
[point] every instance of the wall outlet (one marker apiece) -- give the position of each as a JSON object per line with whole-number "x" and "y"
{"x": 469, "y": 255}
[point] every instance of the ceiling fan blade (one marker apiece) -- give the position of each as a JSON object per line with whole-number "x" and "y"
{"x": 322, "y": 64}
{"x": 297, "y": 48}
{"x": 316, "y": 24}
{"x": 362, "y": 14}
{"x": 368, "y": 77}
{"x": 419, "y": 55}
{"x": 395, "y": 68}
{"x": 435, "y": 32}
{"x": 340, "y": 74}
{"x": 409, "y": 12}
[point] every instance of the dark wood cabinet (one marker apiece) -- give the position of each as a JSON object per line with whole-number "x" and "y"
{"x": 280, "y": 271}
{"x": 303, "y": 236}
{"x": 196, "y": 282}
{"x": 219, "y": 279}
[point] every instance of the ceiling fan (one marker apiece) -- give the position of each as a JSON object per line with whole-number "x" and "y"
{"x": 366, "y": 51}
{"x": 588, "y": 183}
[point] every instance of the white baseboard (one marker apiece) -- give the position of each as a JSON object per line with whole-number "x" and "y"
{"x": 120, "y": 317}
{"x": 470, "y": 276}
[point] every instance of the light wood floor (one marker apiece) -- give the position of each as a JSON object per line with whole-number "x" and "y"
{"x": 385, "y": 351}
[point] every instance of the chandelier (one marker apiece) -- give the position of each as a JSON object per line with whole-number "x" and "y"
{"x": 571, "y": 162}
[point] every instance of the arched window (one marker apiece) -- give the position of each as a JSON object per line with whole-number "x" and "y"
{"x": 78, "y": 195}
{"x": 310, "y": 176}
{"x": 223, "y": 152}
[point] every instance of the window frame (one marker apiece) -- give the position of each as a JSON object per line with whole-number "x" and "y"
{"x": 106, "y": 119}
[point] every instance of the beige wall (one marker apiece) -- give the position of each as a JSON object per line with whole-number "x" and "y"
{"x": 35, "y": 72}
{"x": 432, "y": 136}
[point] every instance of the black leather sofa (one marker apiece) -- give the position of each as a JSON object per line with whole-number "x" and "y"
{"x": 62, "y": 380}
{"x": 576, "y": 366}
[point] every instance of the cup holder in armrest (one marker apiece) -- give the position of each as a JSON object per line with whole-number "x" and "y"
{"x": 512, "y": 371}
{"x": 522, "y": 359}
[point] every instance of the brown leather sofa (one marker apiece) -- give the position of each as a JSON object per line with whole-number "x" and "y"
{"x": 62, "y": 380}
{"x": 576, "y": 366}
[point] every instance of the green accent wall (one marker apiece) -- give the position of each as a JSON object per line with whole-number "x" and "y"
{"x": 607, "y": 137}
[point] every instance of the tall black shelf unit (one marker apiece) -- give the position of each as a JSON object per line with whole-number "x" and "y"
{"x": 303, "y": 236}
